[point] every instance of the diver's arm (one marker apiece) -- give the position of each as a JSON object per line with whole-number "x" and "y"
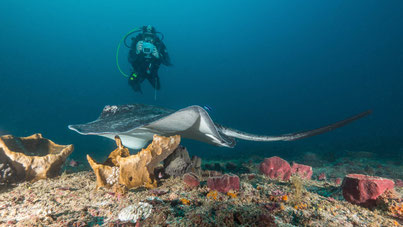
{"x": 133, "y": 55}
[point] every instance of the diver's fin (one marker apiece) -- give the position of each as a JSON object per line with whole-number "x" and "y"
{"x": 292, "y": 136}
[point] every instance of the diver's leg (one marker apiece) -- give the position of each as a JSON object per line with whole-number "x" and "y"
{"x": 135, "y": 82}
{"x": 135, "y": 86}
{"x": 153, "y": 78}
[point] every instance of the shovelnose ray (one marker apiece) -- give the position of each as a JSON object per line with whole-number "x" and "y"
{"x": 137, "y": 123}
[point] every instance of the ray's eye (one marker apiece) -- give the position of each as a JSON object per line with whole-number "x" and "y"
{"x": 130, "y": 178}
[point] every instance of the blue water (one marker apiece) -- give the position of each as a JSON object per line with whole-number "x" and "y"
{"x": 264, "y": 67}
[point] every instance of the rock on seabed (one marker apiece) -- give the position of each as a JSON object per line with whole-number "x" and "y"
{"x": 177, "y": 163}
{"x": 363, "y": 190}
{"x": 276, "y": 168}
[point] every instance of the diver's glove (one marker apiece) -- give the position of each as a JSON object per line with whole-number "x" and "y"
{"x": 139, "y": 47}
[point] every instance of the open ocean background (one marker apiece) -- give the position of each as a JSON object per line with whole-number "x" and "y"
{"x": 265, "y": 67}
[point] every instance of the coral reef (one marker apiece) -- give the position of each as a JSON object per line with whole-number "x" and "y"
{"x": 322, "y": 177}
{"x": 298, "y": 189}
{"x": 303, "y": 171}
{"x": 390, "y": 202}
{"x": 31, "y": 158}
{"x": 129, "y": 171}
{"x": 364, "y": 190}
{"x": 178, "y": 163}
{"x": 224, "y": 183}
{"x": 196, "y": 165}
{"x": 276, "y": 168}
{"x": 212, "y": 195}
{"x": 108, "y": 172}
{"x": 69, "y": 200}
{"x": 135, "y": 212}
{"x": 7, "y": 172}
{"x": 191, "y": 180}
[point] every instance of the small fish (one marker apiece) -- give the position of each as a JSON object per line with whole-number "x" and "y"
{"x": 208, "y": 108}
{"x": 73, "y": 163}
{"x": 322, "y": 177}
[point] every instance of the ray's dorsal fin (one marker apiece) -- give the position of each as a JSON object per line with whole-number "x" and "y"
{"x": 291, "y": 136}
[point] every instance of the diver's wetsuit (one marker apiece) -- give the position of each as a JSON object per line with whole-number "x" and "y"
{"x": 145, "y": 66}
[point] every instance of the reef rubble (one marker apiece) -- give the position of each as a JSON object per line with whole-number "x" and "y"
{"x": 70, "y": 200}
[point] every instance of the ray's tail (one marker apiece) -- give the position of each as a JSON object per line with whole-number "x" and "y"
{"x": 291, "y": 136}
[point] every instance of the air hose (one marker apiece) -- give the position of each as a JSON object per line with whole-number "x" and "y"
{"x": 117, "y": 51}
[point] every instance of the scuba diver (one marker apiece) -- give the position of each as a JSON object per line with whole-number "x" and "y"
{"x": 147, "y": 53}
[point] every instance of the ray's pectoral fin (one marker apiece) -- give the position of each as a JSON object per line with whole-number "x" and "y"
{"x": 291, "y": 136}
{"x": 136, "y": 124}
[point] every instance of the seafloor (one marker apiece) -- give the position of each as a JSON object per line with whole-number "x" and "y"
{"x": 71, "y": 199}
